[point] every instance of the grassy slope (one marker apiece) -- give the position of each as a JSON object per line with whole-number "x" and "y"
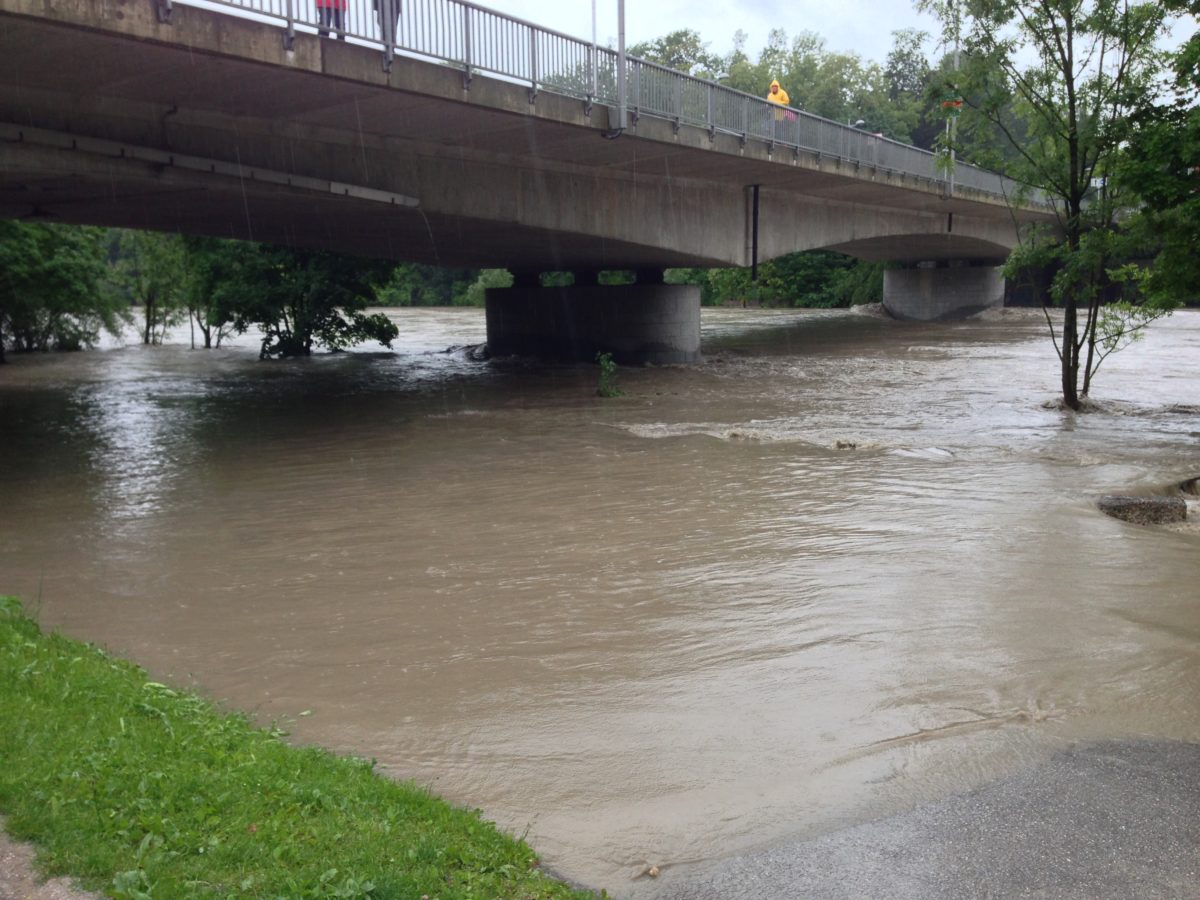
{"x": 141, "y": 790}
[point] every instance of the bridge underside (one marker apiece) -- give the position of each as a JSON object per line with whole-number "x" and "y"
{"x": 41, "y": 183}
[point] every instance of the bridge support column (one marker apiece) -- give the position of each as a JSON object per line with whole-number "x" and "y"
{"x": 636, "y": 323}
{"x": 937, "y": 294}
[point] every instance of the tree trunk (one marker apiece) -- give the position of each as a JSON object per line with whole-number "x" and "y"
{"x": 1070, "y": 354}
{"x": 149, "y": 309}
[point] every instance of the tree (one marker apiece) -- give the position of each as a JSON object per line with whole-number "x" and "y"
{"x": 907, "y": 77}
{"x": 1073, "y": 72}
{"x": 415, "y": 284}
{"x": 151, "y": 269}
{"x": 682, "y": 51}
{"x": 52, "y": 287}
{"x": 1162, "y": 165}
{"x": 300, "y": 298}
{"x": 207, "y": 262}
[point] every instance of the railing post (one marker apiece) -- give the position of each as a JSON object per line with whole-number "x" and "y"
{"x": 591, "y": 97}
{"x": 467, "y": 50}
{"x": 533, "y": 65}
{"x": 637, "y": 88}
{"x": 678, "y": 101}
{"x": 387, "y": 31}
{"x": 289, "y": 36}
{"x": 712, "y": 122}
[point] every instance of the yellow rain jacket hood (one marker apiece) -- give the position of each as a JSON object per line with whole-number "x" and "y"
{"x": 778, "y": 96}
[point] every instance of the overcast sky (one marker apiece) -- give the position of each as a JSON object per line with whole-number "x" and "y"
{"x": 849, "y": 26}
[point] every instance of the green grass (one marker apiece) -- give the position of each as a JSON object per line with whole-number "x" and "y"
{"x": 140, "y": 790}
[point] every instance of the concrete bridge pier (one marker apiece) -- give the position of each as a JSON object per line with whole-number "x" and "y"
{"x": 636, "y": 323}
{"x": 934, "y": 294}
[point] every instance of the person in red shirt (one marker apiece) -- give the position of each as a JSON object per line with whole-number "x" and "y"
{"x": 331, "y": 14}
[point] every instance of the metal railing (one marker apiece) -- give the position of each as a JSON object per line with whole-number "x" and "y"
{"x": 476, "y": 39}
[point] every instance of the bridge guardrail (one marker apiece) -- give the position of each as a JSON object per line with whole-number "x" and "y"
{"x": 475, "y": 38}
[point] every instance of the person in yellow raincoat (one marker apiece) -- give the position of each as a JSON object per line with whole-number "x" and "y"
{"x": 778, "y": 94}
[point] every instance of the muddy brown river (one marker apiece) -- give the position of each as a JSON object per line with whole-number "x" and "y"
{"x": 843, "y": 566}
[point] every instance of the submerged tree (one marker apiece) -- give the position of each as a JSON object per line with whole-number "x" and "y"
{"x": 52, "y": 287}
{"x": 1071, "y": 74}
{"x": 301, "y": 298}
{"x": 207, "y": 260}
{"x": 152, "y": 270}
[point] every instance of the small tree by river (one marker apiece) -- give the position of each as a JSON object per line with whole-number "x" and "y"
{"x": 1058, "y": 81}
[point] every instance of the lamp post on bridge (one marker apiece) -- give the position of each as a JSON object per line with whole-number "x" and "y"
{"x": 622, "y": 101}
{"x": 622, "y": 107}
{"x": 853, "y": 124}
{"x": 595, "y": 52}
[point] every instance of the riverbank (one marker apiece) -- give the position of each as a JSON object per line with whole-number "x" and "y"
{"x": 137, "y": 789}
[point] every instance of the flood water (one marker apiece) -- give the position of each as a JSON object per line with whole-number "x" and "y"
{"x": 843, "y": 566}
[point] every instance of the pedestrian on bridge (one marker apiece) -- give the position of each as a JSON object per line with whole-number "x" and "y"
{"x": 331, "y": 14}
{"x": 777, "y": 94}
{"x": 779, "y": 97}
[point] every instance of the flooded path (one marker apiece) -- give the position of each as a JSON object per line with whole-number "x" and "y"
{"x": 842, "y": 566}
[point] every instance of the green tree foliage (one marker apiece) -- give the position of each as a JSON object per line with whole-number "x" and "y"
{"x": 907, "y": 74}
{"x": 891, "y": 100}
{"x": 682, "y": 51}
{"x": 488, "y": 278}
{"x": 151, "y": 269}
{"x": 300, "y": 298}
{"x": 816, "y": 279}
{"x": 1162, "y": 166}
{"x": 1072, "y": 73}
{"x": 52, "y": 287}
{"x": 414, "y": 284}
{"x": 208, "y": 262}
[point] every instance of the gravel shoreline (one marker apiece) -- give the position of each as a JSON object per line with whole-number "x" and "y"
{"x": 19, "y": 879}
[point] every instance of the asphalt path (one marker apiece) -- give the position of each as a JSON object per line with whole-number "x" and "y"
{"x": 1112, "y": 820}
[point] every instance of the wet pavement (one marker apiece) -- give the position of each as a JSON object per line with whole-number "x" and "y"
{"x": 1106, "y": 820}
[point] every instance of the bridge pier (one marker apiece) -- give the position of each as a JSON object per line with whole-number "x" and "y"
{"x": 636, "y": 323}
{"x": 928, "y": 294}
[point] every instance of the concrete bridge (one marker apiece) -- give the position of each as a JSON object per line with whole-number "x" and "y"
{"x": 457, "y": 136}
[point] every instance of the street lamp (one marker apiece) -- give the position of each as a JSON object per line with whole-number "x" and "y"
{"x": 615, "y": 129}
{"x": 621, "y": 99}
{"x": 853, "y": 124}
